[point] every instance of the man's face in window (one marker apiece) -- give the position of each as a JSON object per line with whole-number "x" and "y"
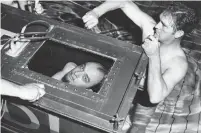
{"x": 85, "y": 75}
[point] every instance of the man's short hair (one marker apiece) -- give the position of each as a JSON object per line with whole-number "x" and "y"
{"x": 184, "y": 17}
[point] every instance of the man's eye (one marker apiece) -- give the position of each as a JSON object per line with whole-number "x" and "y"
{"x": 86, "y": 79}
{"x": 82, "y": 67}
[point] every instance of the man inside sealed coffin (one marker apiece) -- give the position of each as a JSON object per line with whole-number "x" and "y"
{"x": 85, "y": 75}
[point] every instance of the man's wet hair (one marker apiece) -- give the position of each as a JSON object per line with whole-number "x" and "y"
{"x": 184, "y": 17}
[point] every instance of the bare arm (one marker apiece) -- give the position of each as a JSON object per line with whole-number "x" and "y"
{"x": 59, "y": 75}
{"x": 31, "y": 92}
{"x": 107, "y": 6}
{"x": 140, "y": 18}
{"x": 9, "y": 88}
{"x": 144, "y": 21}
{"x": 67, "y": 68}
{"x": 160, "y": 85}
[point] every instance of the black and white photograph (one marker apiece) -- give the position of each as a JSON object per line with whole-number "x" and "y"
{"x": 100, "y": 66}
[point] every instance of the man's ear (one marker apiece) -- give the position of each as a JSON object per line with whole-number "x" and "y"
{"x": 179, "y": 34}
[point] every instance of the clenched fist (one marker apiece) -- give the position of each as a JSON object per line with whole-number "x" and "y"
{"x": 32, "y": 91}
{"x": 151, "y": 46}
{"x": 90, "y": 19}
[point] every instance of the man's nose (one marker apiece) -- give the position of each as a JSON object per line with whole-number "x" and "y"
{"x": 158, "y": 26}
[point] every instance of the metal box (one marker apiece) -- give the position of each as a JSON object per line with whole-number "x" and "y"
{"x": 104, "y": 108}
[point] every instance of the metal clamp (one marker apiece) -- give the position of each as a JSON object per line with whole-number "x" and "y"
{"x": 116, "y": 121}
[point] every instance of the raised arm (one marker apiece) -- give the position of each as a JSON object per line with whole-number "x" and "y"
{"x": 144, "y": 21}
{"x": 140, "y": 18}
{"x": 91, "y": 18}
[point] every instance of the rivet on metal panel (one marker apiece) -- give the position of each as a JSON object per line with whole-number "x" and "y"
{"x": 101, "y": 100}
{"x": 48, "y": 80}
{"x": 104, "y": 92}
{"x": 106, "y": 79}
{"x": 84, "y": 93}
{"x": 111, "y": 79}
{"x": 90, "y": 47}
{"x": 75, "y": 89}
{"x": 66, "y": 86}
{"x": 57, "y": 83}
{"x": 114, "y": 73}
{"x": 31, "y": 74}
{"x": 97, "y": 99}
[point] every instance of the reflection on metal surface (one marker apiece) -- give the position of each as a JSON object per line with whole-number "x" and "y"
{"x": 16, "y": 48}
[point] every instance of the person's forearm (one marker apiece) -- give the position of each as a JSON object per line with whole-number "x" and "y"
{"x": 107, "y": 6}
{"x": 59, "y": 75}
{"x": 10, "y": 89}
{"x": 139, "y": 17}
{"x": 156, "y": 84}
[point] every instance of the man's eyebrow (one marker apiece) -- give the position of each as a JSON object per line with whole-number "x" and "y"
{"x": 84, "y": 66}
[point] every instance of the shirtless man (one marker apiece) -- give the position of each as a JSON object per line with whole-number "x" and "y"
{"x": 167, "y": 61}
{"x": 85, "y": 75}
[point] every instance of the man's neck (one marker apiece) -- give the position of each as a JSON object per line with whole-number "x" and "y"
{"x": 170, "y": 48}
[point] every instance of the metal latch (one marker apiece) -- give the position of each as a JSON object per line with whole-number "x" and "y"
{"x": 116, "y": 121}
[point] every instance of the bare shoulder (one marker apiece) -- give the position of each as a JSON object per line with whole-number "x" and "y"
{"x": 179, "y": 64}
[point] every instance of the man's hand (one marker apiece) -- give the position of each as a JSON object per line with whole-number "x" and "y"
{"x": 31, "y": 92}
{"x": 90, "y": 19}
{"x": 151, "y": 46}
